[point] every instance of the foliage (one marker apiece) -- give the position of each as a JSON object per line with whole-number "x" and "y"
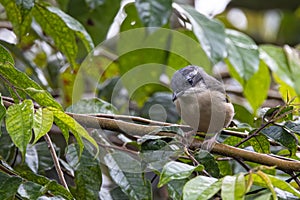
{"x": 43, "y": 82}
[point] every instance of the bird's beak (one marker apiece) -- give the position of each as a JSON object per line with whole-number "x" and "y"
{"x": 176, "y": 95}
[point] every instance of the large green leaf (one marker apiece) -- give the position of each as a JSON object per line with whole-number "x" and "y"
{"x": 78, "y": 131}
{"x": 63, "y": 29}
{"x": 233, "y": 187}
{"x": 43, "y": 120}
{"x": 209, "y": 32}
{"x": 8, "y": 186}
{"x": 257, "y": 87}
{"x": 88, "y": 177}
{"x": 21, "y": 81}
{"x": 127, "y": 173}
{"x": 242, "y": 54}
{"x": 19, "y": 123}
{"x": 19, "y": 14}
{"x": 154, "y": 13}
{"x": 209, "y": 163}
{"x": 176, "y": 170}
{"x": 201, "y": 187}
{"x": 30, "y": 190}
{"x": 175, "y": 188}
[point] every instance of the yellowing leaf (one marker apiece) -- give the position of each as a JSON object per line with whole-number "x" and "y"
{"x": 43, "y": 120}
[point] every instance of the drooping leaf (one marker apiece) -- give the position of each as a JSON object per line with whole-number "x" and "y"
{"x": 19, "y": 122}
{"x": 209, "y": 32}
{"x": 8, "y": 185}
{"x": 31, "y": 159}
{"x": 24, "y": 83}
{"x": 88, "y": 177}
{"x": 175, "y": 188}
{"x": 43, "y": 120}
{"x": 176, "y": 170}
{"x": 257, "y": 87}
{"x": 154, "y": 13}
{"x": 92, "y": 106}
{"x": 78, "y": 131}
{"x": 19, "y": 14}
{"x": 127, "y": 173}
{"x": 242, "y": 54}
{"x": 63, "y": 29}
{"x": 2, "y": 112}
{"x": 201, "y": 187}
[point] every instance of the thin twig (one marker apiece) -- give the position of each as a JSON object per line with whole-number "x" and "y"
{"x": 56, "y": 162}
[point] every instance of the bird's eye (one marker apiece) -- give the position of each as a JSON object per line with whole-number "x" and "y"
{"x": 190, "y": 80}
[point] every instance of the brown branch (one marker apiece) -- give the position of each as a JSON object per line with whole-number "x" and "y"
{"x": 56, "y": 161}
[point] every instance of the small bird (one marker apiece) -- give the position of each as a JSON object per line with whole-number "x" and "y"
{"x": 202, "y": 102}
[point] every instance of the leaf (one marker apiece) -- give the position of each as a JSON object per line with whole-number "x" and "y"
{"x": 282, "y": 136}
{"x": 88, "y": 176}
{"x": 2, "y": 112}
{"x": 23, "y": 82}
{"x": 126, "y": 172}
{"x": 242, "y": 54}
{"x": 175, "y": 188}
{"x": 78, "y": 131}
{"x": 5, "y": 56}
{"x": 30, "y": 190}
{"x": 279, "y": 62}
{"x": 8, "y": 185}
{"x": 176, "y": 170}
{"x": 201, "y": 187}
{"x": 19, "y": 122}
{"x": 92, "y": 106}
{"x": 48, "y": 185}
{"x": 268, "y": 183}
{"x": 209, "y": 32}
{"x": 257, "y": 87}
{"x": 209, "y": 163}
{"x": 63, "y": 29}
{"x": 43, "y": 120}
{"x": 233, "y": 187}
{"x": 19, "y": 14}
{"x": 154, "y": 13}
{"x": 31, "y": 159}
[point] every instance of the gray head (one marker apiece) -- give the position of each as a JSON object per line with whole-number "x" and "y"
{"x": 193, "y": 76}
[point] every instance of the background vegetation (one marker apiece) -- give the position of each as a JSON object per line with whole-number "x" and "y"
{"x": 43, "y": 48}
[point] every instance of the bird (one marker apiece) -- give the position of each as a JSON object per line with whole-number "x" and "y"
{"x": 202, "y": 102}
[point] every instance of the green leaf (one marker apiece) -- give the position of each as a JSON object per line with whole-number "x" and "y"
{"x": 243, "y": 115}
{"x": 268, "y": 183}
{"x": 209, "y": 163}
{"x": 5, "y": 56}
{"x": 88, "y": 176}
{"x": 63, "y": 29}
{"x": 30, "y": 190}
{"x": 282, "y": 136}
{"x": 175, "y": 188}
{"x": 2, "y": 112}
{"x": 8, "y": 185}
{"x": 176, "y": 170}
{"x": 242, "y": 54}
{"x": 19, "y": 14}
{"x": 23, "y": 82}
{"x": 233, "y": 187}
{"x": 209, "y": 32}
{"x": 154, "y": 13}
{"x": 132, "y": 19}
{"x": 92, "y": 106}
{"x": 19, "y": 122}
{"x": 48, "y": 185}
{"x": 78, "y": 131}
{"x": 279, "y": 63}
{"x": 126, "y": 172}
{"x": 43, "y": 120}
{"x": 257, "y": 87}
{"x": 201, "y": 187}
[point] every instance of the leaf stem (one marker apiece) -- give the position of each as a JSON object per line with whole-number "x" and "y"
{"x": 56, "y": 162}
